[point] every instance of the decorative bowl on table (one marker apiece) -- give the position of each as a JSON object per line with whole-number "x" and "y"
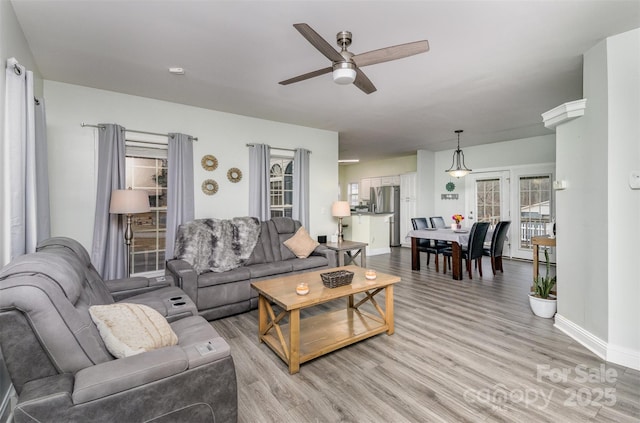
{"x": 337, "y": 278}
{"x": 370, "y": 274}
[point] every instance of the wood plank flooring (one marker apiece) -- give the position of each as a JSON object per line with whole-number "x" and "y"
{"x": 467, "y": 350}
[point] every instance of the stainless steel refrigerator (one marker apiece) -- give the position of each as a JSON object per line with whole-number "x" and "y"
{"x": 386, "y": 200}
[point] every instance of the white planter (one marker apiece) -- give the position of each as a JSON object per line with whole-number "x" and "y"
{"x": 543, "y": 307}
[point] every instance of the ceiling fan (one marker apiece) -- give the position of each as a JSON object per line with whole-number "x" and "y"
{"x": 345, "y": 65}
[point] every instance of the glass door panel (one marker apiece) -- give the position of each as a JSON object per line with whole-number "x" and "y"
{"x": 487, "y": 200}
{"x": 535, "y": 208}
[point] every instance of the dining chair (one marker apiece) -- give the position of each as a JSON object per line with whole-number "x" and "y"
{"x": 438, "y": 223}
{"x": 427, "y": 245}
{"x": 474, "y": 248}
{"x": 497, "y": 243}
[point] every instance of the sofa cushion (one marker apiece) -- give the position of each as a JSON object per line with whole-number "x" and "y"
{"x": 301, "y": 244}
{"x": 268, "y": 269}
{"x": 308, "y": 263}
{"x": 211, "y": 278}
{"x": 130, "y": 329}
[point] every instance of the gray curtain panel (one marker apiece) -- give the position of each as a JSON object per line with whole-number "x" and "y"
{"x": 43, "y": 220}
{"x": 259, "y": 166}
{"x": 24, "y": 183}
{"x": 109, "y": 252}
{"x": 300, "y": 209}
{"x": 180, "y": 195}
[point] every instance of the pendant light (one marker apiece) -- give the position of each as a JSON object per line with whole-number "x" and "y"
{"x": 458, "y": 169}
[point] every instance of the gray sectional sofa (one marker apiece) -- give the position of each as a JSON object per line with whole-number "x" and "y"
{"x": 217, "y": 295}
{"x": 62, "y": 370}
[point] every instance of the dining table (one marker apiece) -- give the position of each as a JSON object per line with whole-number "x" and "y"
{"x": 457, "y": 237}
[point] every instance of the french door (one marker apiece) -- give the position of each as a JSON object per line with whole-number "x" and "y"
{"x": 487, "y": 199}
{"x": 527, "y": 191}
{"x": 536, "y": 208}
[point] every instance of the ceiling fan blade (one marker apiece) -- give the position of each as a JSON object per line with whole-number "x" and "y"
{"x": 391, "y": 53}
{"x": 306, "y": 76}
{"x": 318, "y": 42}
{"x": 363, "y": 82}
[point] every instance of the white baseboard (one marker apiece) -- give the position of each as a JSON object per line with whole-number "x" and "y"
{"x": 613, "y": 353}
{"x": 623, "y": 356}
{"x": 587, "y": 339}
{"x": 378, "y": 251}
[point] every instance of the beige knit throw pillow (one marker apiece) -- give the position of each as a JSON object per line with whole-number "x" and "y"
{"x": 130, "y": 329}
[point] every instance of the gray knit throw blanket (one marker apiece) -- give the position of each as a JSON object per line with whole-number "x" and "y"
{"x": 217, "y": 245}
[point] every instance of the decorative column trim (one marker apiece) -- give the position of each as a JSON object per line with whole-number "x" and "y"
{"x": 564, "y": 113}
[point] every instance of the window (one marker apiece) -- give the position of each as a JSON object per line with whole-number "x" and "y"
{"x": 488, "y": 201}
{"x": 535, "y": 206}
{"x": 352, "y": 193}
{"x": 146, "y": 168}
{"x": 281, "y": 186}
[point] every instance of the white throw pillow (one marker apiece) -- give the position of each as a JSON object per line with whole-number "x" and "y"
{"x": 130, "y": 329}
{"x": 301, "y": 244}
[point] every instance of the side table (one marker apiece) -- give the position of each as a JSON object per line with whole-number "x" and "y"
{"x": 537, "y": 241}
{"x": 351, "y": 249}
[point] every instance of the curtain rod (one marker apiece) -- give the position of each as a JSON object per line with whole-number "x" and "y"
{"x": 137, "y": 132}
{"x": 276, "y": 148}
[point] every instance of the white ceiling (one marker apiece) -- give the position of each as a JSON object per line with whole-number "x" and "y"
{"x": 493, "y": 67}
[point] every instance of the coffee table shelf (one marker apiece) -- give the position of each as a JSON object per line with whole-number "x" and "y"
{"x": 328, "y": 332}
{"x": 303, "y": 339}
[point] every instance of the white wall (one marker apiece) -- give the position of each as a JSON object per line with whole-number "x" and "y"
{"x": 72, "y": 153}
{"x": 598, "y": 289}
{"x": 624, "y": 156}
{"x": 495, "y": 156}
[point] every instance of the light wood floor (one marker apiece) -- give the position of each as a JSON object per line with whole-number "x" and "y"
{"x": 462, "y": 351}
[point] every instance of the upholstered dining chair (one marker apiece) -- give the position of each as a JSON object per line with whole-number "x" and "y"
{"x": 497, "y": 243}
{"x": 474, "y": 248}
{"x": 427, "y": 245}
{"x": 437, "y": 222}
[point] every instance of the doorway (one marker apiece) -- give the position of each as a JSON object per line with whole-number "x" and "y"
{"x": 487, "y": 200}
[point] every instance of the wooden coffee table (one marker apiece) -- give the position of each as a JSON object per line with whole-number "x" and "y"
{"x": 300, "y": 340}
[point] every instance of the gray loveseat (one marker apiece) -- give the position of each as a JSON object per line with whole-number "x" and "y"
{"x": 62, "y": 370}
{"x": 225, "y": 293}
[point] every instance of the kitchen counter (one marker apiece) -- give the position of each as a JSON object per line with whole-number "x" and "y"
{"x": 372, "y": 228}
{"x": 369, "y": 214}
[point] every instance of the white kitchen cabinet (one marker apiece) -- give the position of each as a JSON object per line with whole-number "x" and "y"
{"x": 390, "y": 180}
{"x": 382, "y": 181}
{"x": 408, "y": 205}
{"x": 364, "y": 192}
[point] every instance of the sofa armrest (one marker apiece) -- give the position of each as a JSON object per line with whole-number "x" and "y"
{"x": 185, "y": 277}
{"x": 120, "y": 375}
{"x": 128, "y": 287}
{"x": 330, "y": 254}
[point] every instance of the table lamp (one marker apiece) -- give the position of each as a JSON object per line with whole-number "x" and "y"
{"x": 128, "y": 202}
{"x": 340, "y": 209}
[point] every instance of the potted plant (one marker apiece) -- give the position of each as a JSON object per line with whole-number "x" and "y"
{"x": 542, "y": 303}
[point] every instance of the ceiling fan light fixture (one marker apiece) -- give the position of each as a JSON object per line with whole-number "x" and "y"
{"x": 458, "y": 168}
{"x": 344, "y": 73}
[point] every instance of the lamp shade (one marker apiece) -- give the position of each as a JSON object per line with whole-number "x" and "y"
{"x": 129, "y": 201}
{"x": 344, "y": 73}
{"x": 340, "y": 209}
{"x": 458, "y": 168}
